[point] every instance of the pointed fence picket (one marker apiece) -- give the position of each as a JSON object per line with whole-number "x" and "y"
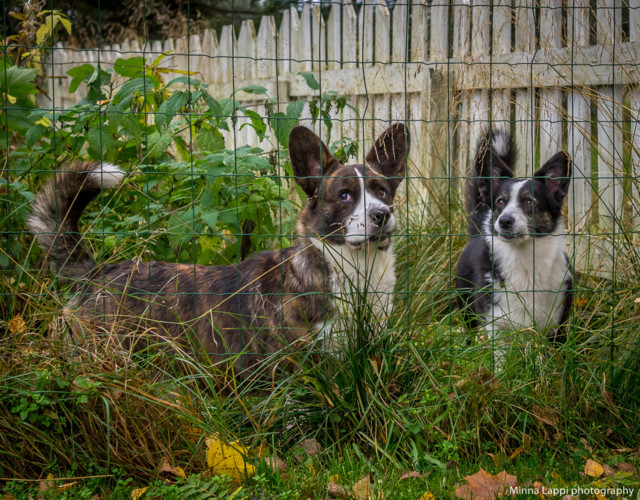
{"x": 558, "y": 74}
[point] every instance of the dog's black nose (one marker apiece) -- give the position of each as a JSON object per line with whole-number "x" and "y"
{"x": 380, "y": 216}
{"x": 506, "y": 222}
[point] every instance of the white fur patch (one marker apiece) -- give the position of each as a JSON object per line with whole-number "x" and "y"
{"x": 369, "y": 270}
{"x": 359, "y": 226}
{"x": 513, "y": 209}
{"x": 107, "y": 175}
{"x": 500, "y": 144}
{"x": 533, "y": 289}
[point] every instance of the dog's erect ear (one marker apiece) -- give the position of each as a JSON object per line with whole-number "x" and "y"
{"x": 310, "y": 159}
{"x": 490, "y": 170}
{"x": 389, "y": 154}
{"x": 556, "y": 174}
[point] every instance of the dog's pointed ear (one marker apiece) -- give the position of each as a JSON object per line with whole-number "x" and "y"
{"x": 556, "y": 174}
{"x": 310, "y": 159}
{"x": 390, "y": 152}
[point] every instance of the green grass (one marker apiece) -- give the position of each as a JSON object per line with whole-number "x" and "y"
{"x": 416, "y": 396}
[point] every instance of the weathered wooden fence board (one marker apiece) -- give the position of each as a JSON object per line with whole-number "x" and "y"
{"x": 449, "y": 69}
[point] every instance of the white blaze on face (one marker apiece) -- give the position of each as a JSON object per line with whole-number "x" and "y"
{"x": 514, "y": 210}
{"x": 358, "y": 226}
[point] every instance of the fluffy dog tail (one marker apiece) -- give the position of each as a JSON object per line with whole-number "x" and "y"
{"x": 495, "y": 160}
{"x": 57, "y": 210}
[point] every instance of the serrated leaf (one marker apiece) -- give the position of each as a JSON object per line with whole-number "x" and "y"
{"x": 282, "y": 125}
{"x": 310, "y": 78}
{"x": 183, "y": 227}
{"x": 170, "y": 108}
{"x": 34, "y": 134}
{"x": 210, "y": 139}
{"x": 19, "y": 82}
{"x": 213, "y": 105}
{"x": 158, "y": 143}
{"x": 210, "y": 218}
{"x": 294, "y": 109}
{"x": 100, "y": 138}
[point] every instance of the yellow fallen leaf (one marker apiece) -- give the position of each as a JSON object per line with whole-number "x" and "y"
{"x": 593, "y": 468}
{"x": 428, "y": 496}
{"x": 228, "y": 459}
{"x": 17, "y": 324}
{"x": 179, "y": 471}
{"x": 363, "y": 490}
{"x": 138, "y": 492}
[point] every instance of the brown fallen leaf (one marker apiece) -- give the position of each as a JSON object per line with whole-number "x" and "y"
{"x": 545, "y": 415}
{"x": 337, "y": 491}
{"x": 311, "y": 447}
{"x": 276, "y": 464}
{"x": 593, "y": 468}
{"x": 363, "y": 490}
{"x": 626, "y": 467}
{"x": 608, "y": 470}
{"x": 484, "y": 486}
{"x": 170, "y": 473}
{"x": 410, "y": 474}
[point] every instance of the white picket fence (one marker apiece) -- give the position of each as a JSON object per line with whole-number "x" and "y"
{"x": 562, "y": 74}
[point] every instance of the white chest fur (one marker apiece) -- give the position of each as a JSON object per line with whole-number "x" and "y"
{"x": 369, "y": 271}
{"x": 532, "y": 290}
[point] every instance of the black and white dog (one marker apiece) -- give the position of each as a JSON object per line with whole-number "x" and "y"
{"x": 515, "y": 273}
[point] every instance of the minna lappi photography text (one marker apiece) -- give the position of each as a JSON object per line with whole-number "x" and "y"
{"x": 575, "y": 491}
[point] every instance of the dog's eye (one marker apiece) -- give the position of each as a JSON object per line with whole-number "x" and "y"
{"x": 528, "y": 202}
{"x": 344, "y": 196}
{"x": 382, "y": 193}
{"x": 500, "y": 202}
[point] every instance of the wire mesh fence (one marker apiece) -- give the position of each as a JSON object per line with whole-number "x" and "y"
{"x": 201, "y": 125}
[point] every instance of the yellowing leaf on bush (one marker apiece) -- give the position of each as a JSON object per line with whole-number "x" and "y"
{"x": 228, "y": 459}
{"x": 484, "y": 486}
{"x": 593, "y": 468}
{"x": 138, "y": 492}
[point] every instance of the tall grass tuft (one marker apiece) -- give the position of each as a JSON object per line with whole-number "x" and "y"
{"x": 418, "y": 391}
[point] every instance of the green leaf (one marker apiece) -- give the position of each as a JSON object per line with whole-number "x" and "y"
{"x": 294, "y": 109}
{"x": 133, "y": 67}
{"x": 79, "y": 74}
{"x": 257, "y": 122}
{"x": 187, "y": 80}
{"x": 213, "y": 105}
{"x": 282, "y": 125}
{"x": 19, "y": 82}
{"x": 184, "y": 226}
{"x": 100, "y": 138}
{"x": 210, "y": 139}
{"x": 34, "y": 134}
{"x": 171, "y": 107}
{"x": 157, "y": 143}
{"x": 210, "y": 218}
{"x": 312, "y": 83}
{"x": 128, "y": 90}
{"x": 253, "y": 89}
